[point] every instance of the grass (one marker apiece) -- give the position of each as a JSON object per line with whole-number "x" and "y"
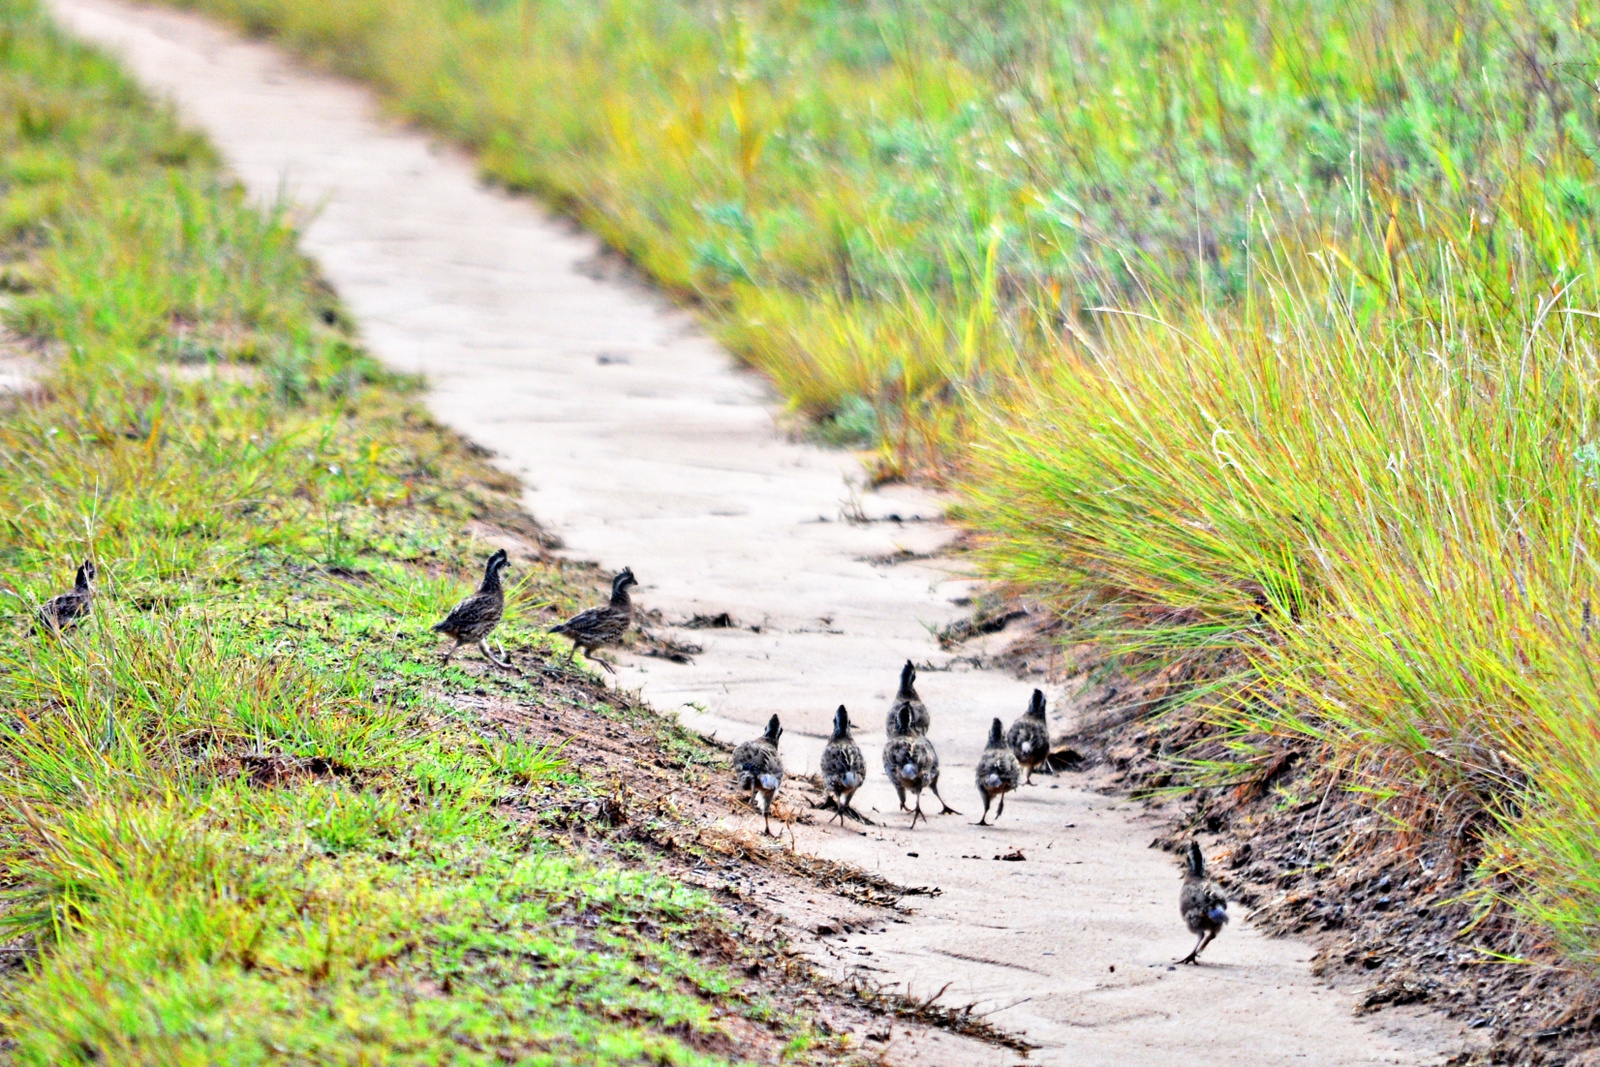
{"x": 1255, "y": 335}
{"x": 242, "y": 817}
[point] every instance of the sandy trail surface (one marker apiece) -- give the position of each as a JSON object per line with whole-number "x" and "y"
{"x": 642, "y": 444}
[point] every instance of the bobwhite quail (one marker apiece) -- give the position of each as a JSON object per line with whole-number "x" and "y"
{"x": 760, "y": 770}
{"x": 599, "y": 627}
{"x": 911, "y": 763}
{"x": 906, "y": 697}
{"x": 65, "y": 610}
{"x": 998, "y": 771}
{"x": 476, "y": 617}
{"x": 1204, "y": 907}
{"x": 843, "y": 767}
{"x": 1029, "y": 737}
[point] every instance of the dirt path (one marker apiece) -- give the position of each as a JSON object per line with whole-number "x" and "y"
{"x": 642, "y": 445}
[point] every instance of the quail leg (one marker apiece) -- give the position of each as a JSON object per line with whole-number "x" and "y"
{"x": 948, "y": 810}
{"x": 450, "y": 653}
{"x": 1194, "y": 954}
{"x": 983, "y": 820}
{"x": 483, "y": 646}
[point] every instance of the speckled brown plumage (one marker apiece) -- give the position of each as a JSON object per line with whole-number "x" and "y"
{"x": 1201, "y": 902}
{"x": 760, "y": 770}
{"x": 910, "y": 762}
{"x": 998, "y": 771}
{"x": 906, "y": 697}
{"x": 843, "y": 767}
{"x": 1029, "y": 737}
{"x": 65, "y": 610}
{"x": 476, "y": 617}
{"x": 602, "y": 626}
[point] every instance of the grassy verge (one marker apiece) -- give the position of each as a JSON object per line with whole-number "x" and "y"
{"x": 1261, "y": 337}
{"x": 245, "y": 817}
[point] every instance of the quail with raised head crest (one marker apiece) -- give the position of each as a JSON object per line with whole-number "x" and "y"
{"x": 911, "y": 763}
{"x": 843, "y": 767}
{"x": 65, "y": 610}
{"x": 1029, "y": 737}
{"x": 476, "y": 617}
{"x": 1202, "y": 903}
{"x": 998, "y": 771}
{"x": 760, "y": 770}
{"x": 603, "y": 626}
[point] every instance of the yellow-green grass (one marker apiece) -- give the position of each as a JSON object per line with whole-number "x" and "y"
{"x": 241, "y": 818}
{"x": 1259, "y": 331}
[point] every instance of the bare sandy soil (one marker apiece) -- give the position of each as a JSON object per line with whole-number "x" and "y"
{"x": 641, "y": 444}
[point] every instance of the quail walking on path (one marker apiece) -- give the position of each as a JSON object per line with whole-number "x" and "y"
{"x": 1029, "y": 737}
{"x": 760, "y": 770}
{"x": 911, "y": 763}
{"x": 998, "y": 771}
{"x": 65, "y": 610}
{"x": 476, "y": 617}
{"x": 907, "y": 698}
{"x": 600, "y": 627}
{"x": 843, "y": 767}
{"x": 1204, "y": 907}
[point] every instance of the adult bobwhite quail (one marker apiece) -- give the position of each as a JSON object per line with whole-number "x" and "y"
{"x": 476, "y": 617}
{"x": 906, "y": 697}
{"x": 1202, "y": 903}
{"x": 998, "y": 771}
{"x": 1029, "y": 737}
{"x": 65, "y": 610}
{"x": 760, "y": 770}
{"x": 843, "y": 767}
{"x": 910, "y": 762}
{"x": 599, "y": 627}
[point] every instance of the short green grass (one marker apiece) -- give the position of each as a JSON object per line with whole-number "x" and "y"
{"x": 241, "y": 818}
{"x": 1261, "y": 333}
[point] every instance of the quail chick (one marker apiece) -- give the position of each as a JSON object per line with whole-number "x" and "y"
{"x": 998, "y": 770}
{"x": 907, "y": 697}
{"x": 65, "y": 610}
{"x": 476, "y": 617}
{"x": 843, "y": 768}
{"x": 599, "y": 627}
{"x": 910, "y": 762}
{"x": 1029, "y": 737}
{"x": 1204, "y": 908}
{"x": 760, "y": 770}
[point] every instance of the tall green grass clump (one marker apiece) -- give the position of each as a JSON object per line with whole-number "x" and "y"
{"x": 241, "y": 820}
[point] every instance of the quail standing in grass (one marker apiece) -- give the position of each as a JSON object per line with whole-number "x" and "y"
{"x": 1029, "y": 737}
{"x": 911, "y": 763}
{"x": 65, "y": 610}
{"x": 998, "y": 770}
{"x": 843, "y": 767}
{"x": 760, "y": 770}
{"x": 1204, "y": 907}
{"x": 599, "y": 627}
{"x": 907, "y": 697}
{"x": 476, "y": 617}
